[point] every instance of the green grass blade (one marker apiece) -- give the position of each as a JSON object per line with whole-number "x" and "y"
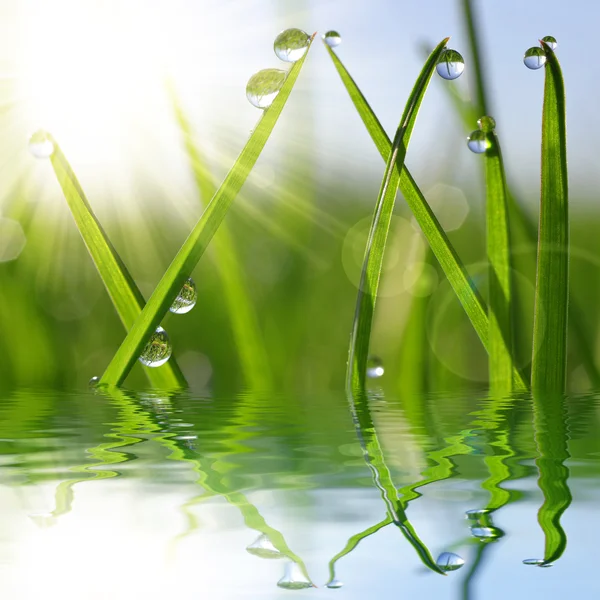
{"x": 373, "y": 260}
{"x": 195, "y": 245}
{"x": 246, "y": 332}
{"x": 471, "y": 24}
{"x": 125, "y": 295}
{"x": 445, "y": 253}
{"x": 498, "y": 251}
{"x": 549, "y": 364}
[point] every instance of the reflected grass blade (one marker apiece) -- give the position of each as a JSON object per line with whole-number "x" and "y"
{"x": 124, "y": 293}
{"x": 439, "y": 243}
{"x": 373, "y": 260}
{"x": 195, "y": 245}
{"x": 549, "y": 364}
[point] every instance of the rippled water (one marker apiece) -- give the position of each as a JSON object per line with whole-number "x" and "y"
{"x": 148, "y": 496}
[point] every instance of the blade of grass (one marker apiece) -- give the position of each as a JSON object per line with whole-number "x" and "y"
{"x": 549, "y": 364}
{"x": 124, "y": 293}
{"x": 445, "y": 253}
{"x": 195, "y": 245}
{"x": 248, "y": 339}
{"x": 373, "y": 260}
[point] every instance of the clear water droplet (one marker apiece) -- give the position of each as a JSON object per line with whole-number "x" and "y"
{"x": 477, "y": 514}
{"x": 332, "y": 38}
{"x": 550, "y": 41}
{"x": 486, "y": 534}
{"x": 537, "y": 562}
{"x": 294, "y": 578}
{"x": 94, "y": 381}
{"x": 478, "y": 142}
{"x": 448, "y": 561}
{"x": 158, "y": 350}
{"x": 334, "y": 584}
{"x": 264, "y": 86}
{"x": 186, "y": 299}
{"x": 535, "y": 58}
{"x": 487, "y": 124}
{"x": 450, "y": 65}
{"x": 264, "y": 548}
{"x": 41, "y": 144}
{"x": 374, "y": 367}
{"x": 291, "y": 45}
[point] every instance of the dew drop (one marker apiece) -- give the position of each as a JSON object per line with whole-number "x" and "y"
{"x": 334, "y": 584}
{"x": 478, "y": 142}
{"x": 41, "y": 145}
{"x": 486, "y": 534}
{"x": 158, "y": 350}
{"x": 294, "y": 578}
{"x": 264, "y": 86}
{"x": 537, "y": 562}
{"x": 186, "y": 299}
{"x": 550, "y": 41}
{"x": 93, "y": 382}
{"x": 487, "y": 124}
{"x": 534, "y": 58}
{"x": 374, "y": 367}
{"x": 332, "y": 38}
{"x": 450, "y": 64}
{"x": 264, "y": 548}
{"x": 448, "y": 561}
{"x": 291, "y": 45}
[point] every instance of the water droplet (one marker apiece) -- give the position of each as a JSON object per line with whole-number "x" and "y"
{"x": 186, "y": 300}
{"x": 291, "y": 45}
{"x": 158, "y": 350}
{"x": 264, "y": 86}
{"x": 264, "y": 548}
{"x": 334, "y": 584}
{"x": 487, "y": 124}
{"x": 478, "y": 142}
{"x": 486, "y": 534}
{"x": 448, "y": 561}
{"x": 374, "y": 367}
{"x": 450, "y": 64}
{"x": 332, "y": 38}
{"x": 550, "y": 41}
{"x": 537, "y": 562}
{"x": 94, "y": 381}
{"x": 534, "y": 58}
{"x": 477, "y": 514}
{"x": 294, "y": 578}
{"x": 41, "y": 145}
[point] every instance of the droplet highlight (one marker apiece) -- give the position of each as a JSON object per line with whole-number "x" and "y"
{"x": 334, "y": 584}
{"x": 450, "y": 65}
{"x": 186, "y": 299}
{"x": 41, "y": 145}
{"x": 487, "y": 124}
{"x": 478, "y": 142}
{"x": 375, "y": 368}
{"x": 93, "y": 382}
{"x": 264, "y": 86}
{"x": 448, "y": 561}
{"x": 550, "y": 41}
{"x": 535, "y": 58}
{"x": 332, "y": 38}
{"x": 294, "y": 578}
{"x": 158, "y": 350}
{"x": 291, "y": 45}
{"x": 263, "y": 547}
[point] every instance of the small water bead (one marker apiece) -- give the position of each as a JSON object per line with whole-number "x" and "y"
{"x": 41, "y": 145}
{"x": 537, "y": 562}
{"x": 264, "y": 86}
{"x": 332, "y": 38}
{"x": 158, "y": 350}
{"x": 478, "y": 142}
{"x": 487, "y": 534}
{"x": 334, "y": 584}
{"x": 93, "y": 382}
{"x": 448, "y": 561}
{"x": 294, "y": 578}
{"x": 535, "y": 58}
{"x": 186, "y": 299}
{"x": 450, "y": 65}
{"x": 487, "y": 124}
{"x": 374, "y": 367}
{"x": 264, "y": 548}
{"x": 291, "y": 45}
{"x": 550, "y": 41}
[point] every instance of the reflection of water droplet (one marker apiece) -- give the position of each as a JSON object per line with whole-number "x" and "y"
{"x": 535, "y": 58}
{"x": 477, "y": 514}
{"x": 158, "y": 349}
{"x": 550, "y": 41}
{"x": 264, "y": 548}
{"x": 41, "y": 145}
{"x": 332, "y": 38}
{"x": 450, "y": 64}
{"x": 334, "y": 584}
{"x": 291, "y": 45}
{"x": 186, "y": 299}
{"x": 537, "y": 562}
{"x": 487, "y": 124}
{"x": 486, "y": 534}
{"x": 94, "y": 381}
{"x": 264, "y": 86}
{"x": 448, "y": 561}
{"x": 374, "y": 367}
{"x": 294, "y": 578}
{"x": 482, "y": 526}
{"x": 478, "y": 142}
